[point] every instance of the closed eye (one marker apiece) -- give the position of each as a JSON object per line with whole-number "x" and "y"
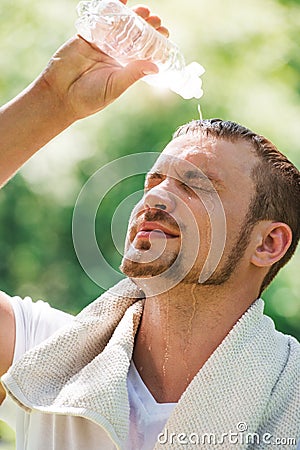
{"x": 199, "y": 187}
{"x": 207, "y": 188}
{"x": 197, "y": 181}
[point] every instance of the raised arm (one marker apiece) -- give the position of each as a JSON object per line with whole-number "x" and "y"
{"x": 78, "y": 81}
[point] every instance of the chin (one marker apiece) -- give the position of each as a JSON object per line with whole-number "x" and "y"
{"x": 133, "y": 269}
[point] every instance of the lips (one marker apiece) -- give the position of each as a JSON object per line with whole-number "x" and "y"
{"x": 156, "y": 230}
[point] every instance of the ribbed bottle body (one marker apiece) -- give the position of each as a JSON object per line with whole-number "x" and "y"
{"x": 122, "y": 34}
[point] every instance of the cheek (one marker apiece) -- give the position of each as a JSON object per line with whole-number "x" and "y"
{"x": 197, "y": 224}
{"x": 235, "y": 218}
{"x": 212, "y": 224}
{"x": 236, "y": 214}
{"x": 202, "y": 210}
{"x": 132, "y": 223}
{"x": 131, "y": 232}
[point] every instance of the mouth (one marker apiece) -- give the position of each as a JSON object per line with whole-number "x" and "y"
{"x": 155, "y": 230}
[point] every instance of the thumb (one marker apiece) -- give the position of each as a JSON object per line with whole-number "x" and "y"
{"x": 134, "y": 71}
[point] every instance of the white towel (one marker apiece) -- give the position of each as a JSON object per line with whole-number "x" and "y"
{"x": 250, "y": 386}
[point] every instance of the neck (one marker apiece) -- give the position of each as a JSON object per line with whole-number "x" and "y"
{"x": 179, "y": 331}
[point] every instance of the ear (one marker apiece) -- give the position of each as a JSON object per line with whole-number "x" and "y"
{"x": 274, "y": 241}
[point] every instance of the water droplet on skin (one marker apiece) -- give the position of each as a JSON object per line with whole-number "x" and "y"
{"x": 189, "y": 336}
{"x": 167, "y": 338}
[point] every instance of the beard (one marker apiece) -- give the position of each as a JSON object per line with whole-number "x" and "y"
{"x": 223, "y": 273}
{"x": 149, "y": 259}
{"x": 175, "y": 264}
{"x": 134, "y": 269}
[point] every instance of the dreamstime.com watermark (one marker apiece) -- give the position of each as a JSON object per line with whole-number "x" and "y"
{"x": 233, "y": 437}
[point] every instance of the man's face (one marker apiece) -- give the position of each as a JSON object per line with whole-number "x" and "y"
{"x": 191, "y": 215}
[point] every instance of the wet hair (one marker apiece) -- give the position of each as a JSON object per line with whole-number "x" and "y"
{"x": 276, "y": 180}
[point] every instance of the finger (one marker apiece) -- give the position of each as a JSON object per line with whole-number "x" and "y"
{"x": 164, "y": 31}
{"x": 132, "y": 73}
{"x": 142, "y": 11}
{"x": 154, "y": 21}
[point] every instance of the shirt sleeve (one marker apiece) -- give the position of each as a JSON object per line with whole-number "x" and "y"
{"x": 35, "y": 322}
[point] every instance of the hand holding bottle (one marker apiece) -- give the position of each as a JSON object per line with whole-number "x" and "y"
{"x": 125, "y": 36}
{"x": 87, "y": 80}
{"x": 78, "y": 81}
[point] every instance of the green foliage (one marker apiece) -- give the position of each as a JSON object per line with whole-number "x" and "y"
{"x": 252, "y": 76}
{"x": 251, "y": 55}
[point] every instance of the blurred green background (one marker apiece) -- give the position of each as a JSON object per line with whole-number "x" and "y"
{"x": 250, "y": 50}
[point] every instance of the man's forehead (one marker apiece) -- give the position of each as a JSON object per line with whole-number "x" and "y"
{"x": 187, "y": 156}
{"x": 191, "y": 143}
{"x": 185, "y": 165}
{"x": 187, "y": 148}
{"x": 212, "y": 155}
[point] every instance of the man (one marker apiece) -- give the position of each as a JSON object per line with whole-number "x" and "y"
{"x": 184, "y": 337}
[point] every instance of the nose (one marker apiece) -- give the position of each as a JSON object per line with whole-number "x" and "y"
{"x": 160, "y": 198}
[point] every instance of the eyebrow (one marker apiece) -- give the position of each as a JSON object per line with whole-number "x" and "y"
{"x": 155, "y": 175}
{"x": 189, "y": 175}
{"x": 199, "y": 175}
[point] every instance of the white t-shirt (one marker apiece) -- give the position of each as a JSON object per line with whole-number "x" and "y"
{"x": 35, "y": 322}
{"x": 147, "y": 417}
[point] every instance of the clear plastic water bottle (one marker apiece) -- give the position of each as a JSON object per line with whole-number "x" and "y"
{"x": 122, "y": 34}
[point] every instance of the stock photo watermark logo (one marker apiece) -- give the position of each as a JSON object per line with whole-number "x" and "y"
{"x": 95, "y": 191}
{"x": 239, "y": 436}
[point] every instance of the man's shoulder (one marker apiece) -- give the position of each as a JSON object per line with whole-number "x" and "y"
{"x": 289, "y": 378}
{"x": 34, "y": 321}
{"x": 286, "y": 341}
{"x": 282, "y": 414}
{"x": 294, "y": 354}
{"x": 292, "y": 344}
